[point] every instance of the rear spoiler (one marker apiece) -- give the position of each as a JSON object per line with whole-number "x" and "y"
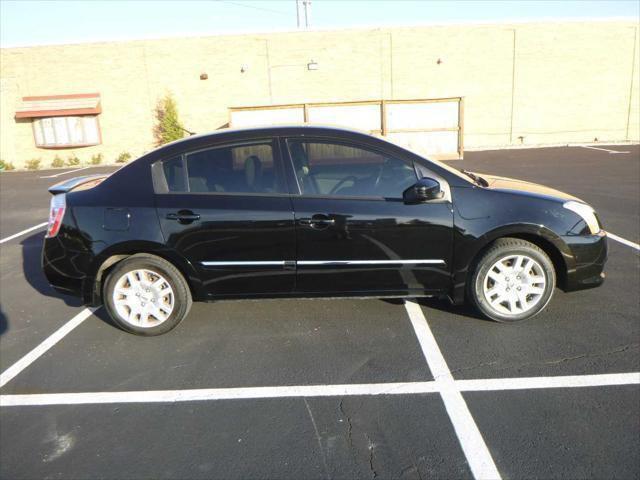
{"x": 68, "y": 185}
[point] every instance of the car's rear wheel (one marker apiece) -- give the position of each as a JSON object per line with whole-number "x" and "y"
{"x": 512, "y": 281}
{"x": 146, "y": 295}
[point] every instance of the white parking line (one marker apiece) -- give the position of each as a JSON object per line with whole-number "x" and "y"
{"x": 193, "y": 395}
{"x": 473, "y": 445}
{"x": 30, "y": 229}
{"x": 307, "y": 391}
{"x": 623, "y": 241}
{"x": 49, "y": 342}
{"x": 65, "y": 173}
{"x": 602, "y": 149}
{"x": 567, "y": 381}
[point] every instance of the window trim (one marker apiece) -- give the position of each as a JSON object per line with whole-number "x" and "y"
{"x": 347, "y": 143}
{"x": 157, "y": 172}
{"x": 36, "y": 123}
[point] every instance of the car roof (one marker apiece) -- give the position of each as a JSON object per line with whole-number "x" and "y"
{"x": 273, "y": 130}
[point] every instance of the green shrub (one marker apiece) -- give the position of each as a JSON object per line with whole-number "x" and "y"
{"x": 72, "y": 160}
{"x": 5, "y": 166}
{"x": 168, "y": 127}
{"x": 33, "y": 164}
{"x": 123, "y": 157}
{"x": 96, "y": 159}
{"x": 57, "y": 162}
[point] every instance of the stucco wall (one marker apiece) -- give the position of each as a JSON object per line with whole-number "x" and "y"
{"x": 524, "y": 84}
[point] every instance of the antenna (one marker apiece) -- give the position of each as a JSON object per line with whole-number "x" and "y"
{"x": 307, "y": 13}
{"x": 306, "y": 6}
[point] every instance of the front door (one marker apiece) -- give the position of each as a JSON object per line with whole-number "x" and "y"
{"x": 354, "y": 233}
{"x": 226, "y": 210}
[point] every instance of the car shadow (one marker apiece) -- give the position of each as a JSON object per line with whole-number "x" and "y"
{"x": 4, "y": 324}
{"x": 32, "y": 269}
{"x": 442, "y": 305}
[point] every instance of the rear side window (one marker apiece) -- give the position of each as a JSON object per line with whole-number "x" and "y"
{"x": 174, "y": 174}
{"x": 240, "y": 169}
{"x": 234, "y": 169}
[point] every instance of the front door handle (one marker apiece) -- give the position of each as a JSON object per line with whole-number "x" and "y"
{"x": 317, "y": 221}
{"x": 183, "y": 216}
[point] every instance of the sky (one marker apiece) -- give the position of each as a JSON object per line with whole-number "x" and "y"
{"x": 31, "y": 22}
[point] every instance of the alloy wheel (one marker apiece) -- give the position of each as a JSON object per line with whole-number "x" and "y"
{"x": 514, "y": 284}
{"x": 143, "y": 298}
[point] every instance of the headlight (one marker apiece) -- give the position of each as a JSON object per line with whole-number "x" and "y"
{"x": 586, "y": 212}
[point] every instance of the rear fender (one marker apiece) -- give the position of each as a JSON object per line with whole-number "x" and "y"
{"x": 92, "y": 287}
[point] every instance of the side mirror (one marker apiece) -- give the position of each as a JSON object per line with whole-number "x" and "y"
{"x": 423, "y": 190}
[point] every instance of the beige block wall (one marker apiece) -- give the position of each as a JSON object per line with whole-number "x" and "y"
{"x": 527, "y": 84}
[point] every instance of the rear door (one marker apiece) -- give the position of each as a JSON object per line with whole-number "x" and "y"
{"x": 227, "y": 210}
{"x": 354, "y": 232}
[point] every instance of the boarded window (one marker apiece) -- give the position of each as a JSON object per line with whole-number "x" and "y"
{"x": 74, "y": 131}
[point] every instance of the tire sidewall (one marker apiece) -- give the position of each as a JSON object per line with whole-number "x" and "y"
{"x": 181, "y": 303}
{"x": 489, "y": 259}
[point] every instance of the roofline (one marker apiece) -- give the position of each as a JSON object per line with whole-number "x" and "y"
{"x": 356, "y": 28}
{"x": 273, "y": 128}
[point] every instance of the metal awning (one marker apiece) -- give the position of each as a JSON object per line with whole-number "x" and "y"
{"x": 59, "y": 105}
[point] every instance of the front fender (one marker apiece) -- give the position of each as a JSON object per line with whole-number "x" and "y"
{"x": 468, "y": 249}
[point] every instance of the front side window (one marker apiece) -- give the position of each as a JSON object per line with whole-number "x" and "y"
{"x": 327, "y": 168}
{"x": 66, "y": 131}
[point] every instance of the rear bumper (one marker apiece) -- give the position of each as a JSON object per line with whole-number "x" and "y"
{"x": 63, "y": 268}
{"x": 586, "y": 267}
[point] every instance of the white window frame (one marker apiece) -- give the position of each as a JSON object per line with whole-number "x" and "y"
{"x": 39, "y": 132}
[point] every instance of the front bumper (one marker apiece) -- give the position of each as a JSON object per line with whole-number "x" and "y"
{"x": 586, "y": 262}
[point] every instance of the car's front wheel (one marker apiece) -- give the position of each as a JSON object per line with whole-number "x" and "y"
{"x": 146, "y": 295}
{"x": 513, "y": 280}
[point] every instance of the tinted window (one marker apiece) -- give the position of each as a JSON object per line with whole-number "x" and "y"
{"x": 239, "y": 169}
{"x": 325, "y": 168}
{"x": 174, "y": 174}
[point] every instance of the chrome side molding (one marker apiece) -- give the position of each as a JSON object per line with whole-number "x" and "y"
{"x": 281, "y": 263}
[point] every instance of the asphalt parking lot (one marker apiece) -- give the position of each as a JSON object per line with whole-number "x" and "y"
{"x": 328, "y": 388}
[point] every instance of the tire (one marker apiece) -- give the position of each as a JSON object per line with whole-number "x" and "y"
{"x": 146, "y": 295}
{"x": 512, "y": 280}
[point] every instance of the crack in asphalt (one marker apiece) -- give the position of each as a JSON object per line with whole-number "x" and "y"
{"x": 616, "y": 350}
{"x": 371, "y": 447}
{"x": 350, "y": 429}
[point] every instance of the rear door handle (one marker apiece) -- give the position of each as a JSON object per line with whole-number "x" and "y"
{"x": 183, "y": 216}
{"x": 317, "y": 221}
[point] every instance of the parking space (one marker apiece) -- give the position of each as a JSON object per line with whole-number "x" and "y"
{"x": 359, "y": 437}
{"x": 239, "y": 344}
{"x": 352, "y": 388}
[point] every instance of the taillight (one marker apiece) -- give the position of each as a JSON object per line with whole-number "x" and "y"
{"x": 58, "y": 206}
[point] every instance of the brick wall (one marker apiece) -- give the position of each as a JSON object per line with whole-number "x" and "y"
{"x": 530, "y": 84}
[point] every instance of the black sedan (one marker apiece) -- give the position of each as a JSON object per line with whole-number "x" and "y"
{"x": 308, "y": 211}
